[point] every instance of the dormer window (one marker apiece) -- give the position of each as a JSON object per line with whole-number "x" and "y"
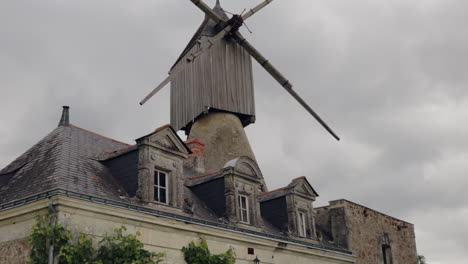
{"x": 290, "y": 208}
{"x": 302, "y": 224}
{"x": 160, "y": 187}
{"x": 243, "y": 205}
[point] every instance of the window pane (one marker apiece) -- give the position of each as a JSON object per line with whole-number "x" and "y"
{"x": 242, "y": 202}
{"x": 162, "y": 196}
{"x": 156, "y": 194}
{"x": 156, "y": 177}
{"x": 162, "y": 179}
{"x": 301, "y": 224}
{"x": 246, "y": 216}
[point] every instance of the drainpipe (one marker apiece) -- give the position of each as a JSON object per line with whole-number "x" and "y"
{"x": 53, "y": 215}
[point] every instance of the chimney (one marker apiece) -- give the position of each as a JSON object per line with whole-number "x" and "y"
{"x": 65, "y": 119}
{"x": 196, "y": 159}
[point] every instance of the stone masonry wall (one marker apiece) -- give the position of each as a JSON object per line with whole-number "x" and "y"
{"x": 15, "y": 228}
{"x": 369, "y": 231}
{"x": 15, "y": 251}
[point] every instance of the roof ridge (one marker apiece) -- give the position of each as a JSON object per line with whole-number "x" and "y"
{"x": 99, "y": 135}
{"x": 206, "y": 174}
{"x": 275, "y": 190}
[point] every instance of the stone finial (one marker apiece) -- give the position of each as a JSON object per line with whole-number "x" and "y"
{"x": 65, "y": 119}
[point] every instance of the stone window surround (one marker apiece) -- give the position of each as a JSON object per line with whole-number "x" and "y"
{"x": 152, "y": 159}
{"x": 304, "y": 206}
{"x": 247, "y": 188}
{"x": 387, "y": 250}
{"x": 387, "y": 254}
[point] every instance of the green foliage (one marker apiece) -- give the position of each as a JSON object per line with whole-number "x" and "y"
{"x": 125, "y": 249}
{"x": 116, "y": 248}
{"x": 45, "y": 233}
{"x": 81, "y": 252}
{"x": 421, "y": 259}
{"x": 200, "y": 254}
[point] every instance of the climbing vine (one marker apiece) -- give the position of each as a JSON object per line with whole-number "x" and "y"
{"x": 115, "y": 248}
{"x": 200, "y": 254}
{"x": 44, "y": 234}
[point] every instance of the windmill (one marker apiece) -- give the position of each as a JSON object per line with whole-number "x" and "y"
{"x": 217, "y": 28}
{"x": 214, "y": 73}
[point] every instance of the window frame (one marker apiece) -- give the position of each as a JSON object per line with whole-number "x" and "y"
{"x": 387, "y": 254}
{"x": 156, "y": 176}
{"x": 301, "y": 224}
{"x": 241, "y": 209}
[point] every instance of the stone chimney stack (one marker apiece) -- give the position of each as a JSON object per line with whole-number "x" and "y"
{"x": 65, "y": 119}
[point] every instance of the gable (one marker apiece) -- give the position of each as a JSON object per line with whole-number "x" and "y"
{"x": 302, "y": 187}
{"x": 165, "y": 138}
{"x": 304, "y": 190}
{"x": 165, "y": 142}
{"x": 245, "y": 165}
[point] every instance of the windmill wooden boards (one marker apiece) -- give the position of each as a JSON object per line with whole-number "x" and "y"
{"x": 214, "y": 72}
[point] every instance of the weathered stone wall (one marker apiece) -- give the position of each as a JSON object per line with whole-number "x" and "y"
{"x": 15, "y": 251}
{"x": 157, "y": 233}
{"x": 15, "y": 227}
{"x": 169, "y": 236}
{"x": 368, "y": 232}
{"x": 332, "y": 228}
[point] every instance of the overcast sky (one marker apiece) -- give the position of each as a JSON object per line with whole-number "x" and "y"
{"x": 389, "y": 76}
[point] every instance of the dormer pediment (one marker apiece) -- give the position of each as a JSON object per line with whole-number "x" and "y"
{"x": 166, "y": 139}
{"x": 245, "y": 166}
{"x": 302, "y": 187}
{"x": 303, "y": 190}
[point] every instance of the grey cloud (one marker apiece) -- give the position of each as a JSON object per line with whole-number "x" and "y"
{"x": 388, "y": 76}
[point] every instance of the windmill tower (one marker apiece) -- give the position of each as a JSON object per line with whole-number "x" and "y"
{"x": 212, "y": 95}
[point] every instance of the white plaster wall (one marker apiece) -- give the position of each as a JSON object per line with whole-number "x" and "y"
{"x": 169, "y": 236}
{"x": 159, "y": 234}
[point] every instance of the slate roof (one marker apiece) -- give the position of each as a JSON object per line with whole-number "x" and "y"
{"x": 72, "y": 161}
{"x": 64, "y": 159}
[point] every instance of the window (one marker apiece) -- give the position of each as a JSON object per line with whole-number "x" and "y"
{"x": 160, "y": 187}
{"x": 387, "y": 254}
{"x": 301, "y": 224}
{"x": 243, "y": 204}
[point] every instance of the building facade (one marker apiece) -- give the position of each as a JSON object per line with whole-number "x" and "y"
{"x": 372, "y": 236}
{"x": 161, "y": 188}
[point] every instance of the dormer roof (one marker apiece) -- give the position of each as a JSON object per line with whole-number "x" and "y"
{"x": 299, "y": 186}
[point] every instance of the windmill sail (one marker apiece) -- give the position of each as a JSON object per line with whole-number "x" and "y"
{"x": 280, "y": 79}
{"x": 264, "y": 62}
